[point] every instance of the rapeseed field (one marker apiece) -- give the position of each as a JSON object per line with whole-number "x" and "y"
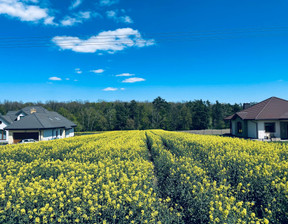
{"x": 150, "y": 176}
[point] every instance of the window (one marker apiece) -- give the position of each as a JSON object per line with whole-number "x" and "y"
{"x": 2, "y": 135}
{"x": 0, "y": 122}
{"x": 269, "y": 127}
{"x": 239, "y": 127}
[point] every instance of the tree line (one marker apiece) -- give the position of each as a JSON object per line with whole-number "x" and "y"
{"x": 118, "y": 115}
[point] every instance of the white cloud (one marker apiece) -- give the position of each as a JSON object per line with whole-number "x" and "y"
{"x": 67, "y": 79}
{"x": 110, "y": 89}
{"x": 114, "y": 15}
{"x": 125, "y": 75}
{"x": 126, "y": 19}
{"x": 75, "y": 4}
{"x": 25, "y": 12}
{"x": 108, "y": 2}
{"x": 97, "y": 71}
{"x": 75, "y": 80}
{"x": 122, "y": 89}
{"x": 109, "y": 41}
{"x": 78, "y": 18}
{"x": 69, "y": 21}
{"x": 132, "y": 80}
{"x": 50, "y": 21}
{"x": 55, "y": 78}
{"x": 78, "y": 71}
{"x": 111, "y": 14}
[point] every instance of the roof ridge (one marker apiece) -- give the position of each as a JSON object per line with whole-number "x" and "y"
{"x": 279, "y": 98}
{"x": 269, "y": 100}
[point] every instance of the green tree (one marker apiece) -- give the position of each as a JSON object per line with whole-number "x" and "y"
{"x": 218, "y": 116}
{"x": 200, "y": 115}
{"x": 160, "y": 113}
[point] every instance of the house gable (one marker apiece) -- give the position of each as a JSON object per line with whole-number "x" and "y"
{"x": 38, "y": 123}
{"x": 265, "y": 120}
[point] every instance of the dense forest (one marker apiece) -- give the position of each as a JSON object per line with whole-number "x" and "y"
{"x": 159, "y": 114}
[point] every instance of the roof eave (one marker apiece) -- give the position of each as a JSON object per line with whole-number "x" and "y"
{"x": 13, "y": 129}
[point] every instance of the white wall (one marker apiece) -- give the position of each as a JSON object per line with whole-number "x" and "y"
{"x": 252, "y": 129}
{"x": 20, "y": 115}
{"x": 261, "y": 129}
{"x": 233, "y": 127}
{"x": 50, "y": 134}
{"x": 3, "y": 125}
{"x": 47, "y": 135}
{"x": 69, "y": 132}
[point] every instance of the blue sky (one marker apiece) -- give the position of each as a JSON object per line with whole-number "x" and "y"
{"x": 122, "y": 50}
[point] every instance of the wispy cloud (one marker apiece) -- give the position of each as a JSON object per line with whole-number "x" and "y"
{"x": 122, "y": 89}
{"x": 132, "y": 80}
{"x": 108, "y": 2}
{"x": 75, "y": 4}
{"x": 79, "y": 17}
{"x": 110, "y": 89}
{"x": 113, "y": 14}
{"x": 26, "y": 11}
{"x": 97, "y": 71}
{"x": 125, "y": 75}
{"x": 54, "y": 78}
{"x": 108, "y": 41}
{"x": 78, "y": 71}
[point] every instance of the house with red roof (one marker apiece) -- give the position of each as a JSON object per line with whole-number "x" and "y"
{"x": 265, "y": 120}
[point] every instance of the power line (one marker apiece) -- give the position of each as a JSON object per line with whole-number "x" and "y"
{"x": 199, "y": 32}
{"x": 169, "y": 37}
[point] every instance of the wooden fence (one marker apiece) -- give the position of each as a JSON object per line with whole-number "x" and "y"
{"x": 209, "y": 132}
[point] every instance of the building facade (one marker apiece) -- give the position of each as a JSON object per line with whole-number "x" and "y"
{"x": 265, "y": 120}
{"x": 34, "y": 123}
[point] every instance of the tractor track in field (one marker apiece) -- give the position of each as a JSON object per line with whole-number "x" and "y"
{"x": 150, "y": 158}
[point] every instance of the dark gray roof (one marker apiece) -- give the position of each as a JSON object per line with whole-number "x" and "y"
{"x": 25, "y": 123}
{"x": 6, "y": 118}
{"x": 12, "y": 115}
{"x": 46, "y": 120}
{"x": 36, "y": 109}
{"x": 272, "y": 108}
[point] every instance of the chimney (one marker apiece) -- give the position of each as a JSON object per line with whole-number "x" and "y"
{"x": 246, "y": 105}
{"x": 33, "y": 110}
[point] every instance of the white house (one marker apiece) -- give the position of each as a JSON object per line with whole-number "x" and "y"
{"x": 36, "y": 123}
{"x": 265, "y": 120}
